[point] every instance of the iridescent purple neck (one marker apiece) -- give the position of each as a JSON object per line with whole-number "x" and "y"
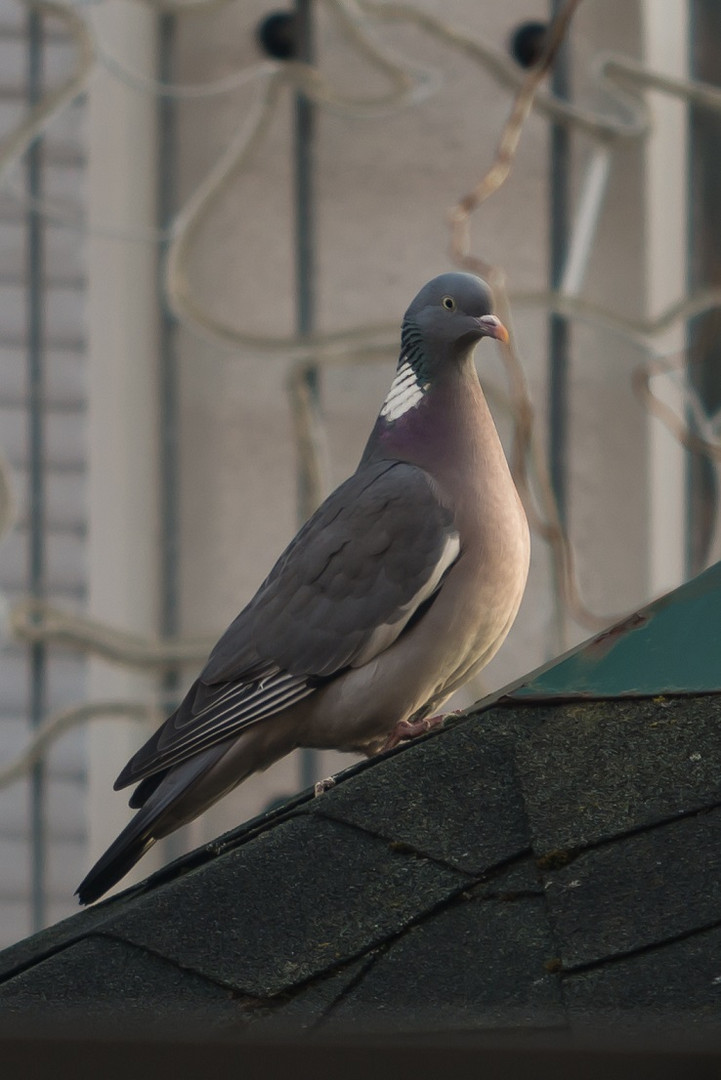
{"x": 425, "y": 431}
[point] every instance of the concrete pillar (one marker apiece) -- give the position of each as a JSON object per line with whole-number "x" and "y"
{"x": 123, "y": 408}
{"x": 665, "y": 49}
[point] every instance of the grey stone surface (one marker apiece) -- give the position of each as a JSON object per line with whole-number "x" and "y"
{"x": 512, "y": 879}
{"x": 304, "y": 1008}
{"x": 46, "y": 942}
{"x": 640, "y": 891}
{"x": 296, "y": 901}
{"x": 453, "y": 797}
{"x": 674, "y": 988}
{"x": 592, "y": 770}
{"x": 100, "y": 980}
{"x": 477, "y": 964}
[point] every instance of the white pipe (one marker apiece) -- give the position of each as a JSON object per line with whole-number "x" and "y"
{"x": 665, "y": 34}
{"x": 587, "y": 217}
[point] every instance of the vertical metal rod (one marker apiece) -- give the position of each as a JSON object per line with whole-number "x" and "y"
{"x": 697, "y": 31}
{"x": 169, "y": 395}
{"x": 585, "y": 224}
{"x": 37, "y": 690}
{"x": 304, "y": 197}
{"x": 560, "y": 161}
{"x": 304, "y": 194}
{"x": 305, "y": 263}
{"x": 169, "y": 391}
{"x": 703, "y": 339}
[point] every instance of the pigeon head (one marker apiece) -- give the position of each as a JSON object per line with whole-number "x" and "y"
{"x": 450, "y": 314}
{"x": 448, "y": 317}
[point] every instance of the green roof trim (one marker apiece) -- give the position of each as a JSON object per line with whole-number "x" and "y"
{"x": 673, "y": 646}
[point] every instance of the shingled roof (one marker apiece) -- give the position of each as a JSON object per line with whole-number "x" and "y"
{"x": 552, "y": 860}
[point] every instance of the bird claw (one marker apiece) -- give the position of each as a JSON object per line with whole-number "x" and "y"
{"x": 323, "y": 785}
{"x": 410, "y": 729}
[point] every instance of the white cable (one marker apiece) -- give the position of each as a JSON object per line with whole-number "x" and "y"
{"x": 51, "y": 730}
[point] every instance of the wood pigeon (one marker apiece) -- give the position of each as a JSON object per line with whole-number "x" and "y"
{"x": 398, "y": 589}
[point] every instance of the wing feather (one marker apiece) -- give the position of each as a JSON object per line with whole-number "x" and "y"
{"x": 340, "y": 594}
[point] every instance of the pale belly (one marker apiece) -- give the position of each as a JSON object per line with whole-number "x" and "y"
{"x": 461, "y": 632}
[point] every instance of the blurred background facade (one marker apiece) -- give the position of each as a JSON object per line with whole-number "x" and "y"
{"x": 173, "y": 223}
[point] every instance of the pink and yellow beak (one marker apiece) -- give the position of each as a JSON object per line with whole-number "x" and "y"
{"x": 493, "y": 327}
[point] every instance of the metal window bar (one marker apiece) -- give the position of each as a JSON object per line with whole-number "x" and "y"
{"x": 37, "y": 690}
{"x": 558, "y": 328}
{"x": 169, "y": 420}
{"x": 704, "y": 218}
{"x": 305, "y": 262}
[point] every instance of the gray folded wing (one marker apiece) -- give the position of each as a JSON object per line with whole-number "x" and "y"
{"x": 341, "y": 593}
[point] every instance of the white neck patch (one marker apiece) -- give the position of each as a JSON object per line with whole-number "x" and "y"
{"x": 405, "y": 393}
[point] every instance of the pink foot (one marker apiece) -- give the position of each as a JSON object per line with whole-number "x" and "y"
{"x": 322, "y": 786}
{"x": 409, "y": 729}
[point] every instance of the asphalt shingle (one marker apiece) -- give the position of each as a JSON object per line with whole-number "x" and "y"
{"x": 640, "y": 891}
{"x": 597, "y": 769}
{"x": 295, "y": 901}
{"x": 676, "y": 988}
{"x": 102, "y": 980}
{"x": 423, "y": 797}
{"x": 505, "y": 978}
{"x": 306, "y": 1006}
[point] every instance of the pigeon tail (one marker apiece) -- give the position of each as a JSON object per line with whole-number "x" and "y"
{"x": 118, "y": 860}
{"x": 161, "y": 812}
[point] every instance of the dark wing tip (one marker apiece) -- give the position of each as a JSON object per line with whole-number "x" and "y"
{"x": 117, "y": 861}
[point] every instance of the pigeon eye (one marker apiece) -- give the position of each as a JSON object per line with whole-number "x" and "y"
{"x": 449, "y": 303}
